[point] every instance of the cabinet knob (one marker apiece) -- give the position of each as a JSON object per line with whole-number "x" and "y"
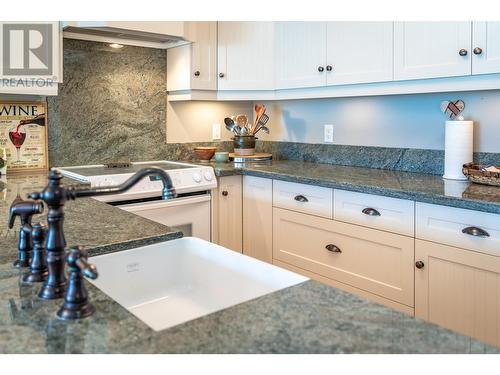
{"x": 477, "y": 51}
{"x": 301, "y": 198}
{"x": 462, "y": 52}
{"x": 221, "y": 75}
{"x": 225, "y": 193}
{"x": 370, "y": 211}
{"x": 320, "y": 68}
{"x": 419, "y": 264}
{"x": 334, "y": 249}
{"x": 475, "y": 231}
{"x": 197, "y": 73}
{"x": 329, "y": 68}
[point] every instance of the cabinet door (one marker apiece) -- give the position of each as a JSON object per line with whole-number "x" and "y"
{"x": 258, "y": 217}
{"x": 486, "y": 47}
{"x": 374, "y": 261}
{"x": 245, "y": 55}
{"x": 300, "y": 50}
{"x": 204, "y": 57}
{"x": 193, "y": 66}
{"x": 229, "y": 212}
{"x": 431, "y": 49}
{"x": 359, "y": 52}
{"x": 458, "y": 289}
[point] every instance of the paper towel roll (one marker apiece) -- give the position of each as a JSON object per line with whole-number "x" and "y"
{"x": 457, "y": 148}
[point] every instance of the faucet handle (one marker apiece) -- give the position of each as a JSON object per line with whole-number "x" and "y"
{"x": 77, "y": 261}
{"x": 76, "y": 303}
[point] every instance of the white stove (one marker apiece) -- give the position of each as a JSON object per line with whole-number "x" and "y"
{"x": 189, "y": 212}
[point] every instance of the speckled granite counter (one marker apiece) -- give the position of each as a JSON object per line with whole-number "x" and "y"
{"x": 307, "y": 318}
{"x": 98, "y": 227}
{"x": 420, "y": 187}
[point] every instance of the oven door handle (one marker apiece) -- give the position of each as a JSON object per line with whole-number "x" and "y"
{"x": 165, "y": 204}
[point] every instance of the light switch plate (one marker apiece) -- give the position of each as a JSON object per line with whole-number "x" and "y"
{"x": 215, "y": 132}
{"x": 328, "y": 133}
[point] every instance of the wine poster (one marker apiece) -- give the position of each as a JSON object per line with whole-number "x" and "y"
{"x": 23, "y": 133}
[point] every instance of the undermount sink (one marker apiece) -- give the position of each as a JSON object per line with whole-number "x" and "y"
{"x": 172, "y": 282}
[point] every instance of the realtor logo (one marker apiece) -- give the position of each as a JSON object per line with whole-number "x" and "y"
{"x": 27, "y": 50}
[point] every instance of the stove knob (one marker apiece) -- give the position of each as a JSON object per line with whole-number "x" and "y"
{"x": 208, "y": 176}
{"x": 197, "y": 177}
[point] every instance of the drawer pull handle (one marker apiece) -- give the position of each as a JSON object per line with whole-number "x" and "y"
{"x": 333, "y": 248}
{"x": 301, "y": 198}
{"x": 475, "y": 231}
{"x": 225, "y": 193}
{"x": 419, "y": 264}
{"x": 370, "y": 211}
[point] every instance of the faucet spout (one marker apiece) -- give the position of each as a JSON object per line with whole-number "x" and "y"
{"x": 167, "y": 193}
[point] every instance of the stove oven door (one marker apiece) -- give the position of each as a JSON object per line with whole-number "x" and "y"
{"x": 191, "y": 215}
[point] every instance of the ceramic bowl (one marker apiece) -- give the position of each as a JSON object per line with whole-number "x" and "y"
{"x": 204, "y": 154}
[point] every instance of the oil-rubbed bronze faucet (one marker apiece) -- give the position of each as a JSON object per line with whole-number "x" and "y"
{"x": 55, "y": 196}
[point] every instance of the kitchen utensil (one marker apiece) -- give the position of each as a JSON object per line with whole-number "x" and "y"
{"x": 244, "y": 131}
{"x": 242, "y": 121}
{"x": 262, "y": 122}
{"x": 230, "y": 125}
{"x": 452, "y": 109}
{"x": 260, "y": 109}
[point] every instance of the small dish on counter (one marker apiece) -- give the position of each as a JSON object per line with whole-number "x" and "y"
{"x": 221, "y": 157}
{"x": 204, "y": 154}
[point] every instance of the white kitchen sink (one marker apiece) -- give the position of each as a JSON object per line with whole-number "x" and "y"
{"x": 172, "y": 282}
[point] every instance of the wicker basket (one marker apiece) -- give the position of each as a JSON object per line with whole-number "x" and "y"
{"x": 475, "y": 174}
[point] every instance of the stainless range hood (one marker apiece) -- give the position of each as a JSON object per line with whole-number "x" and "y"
{"x": 154, "y": 34}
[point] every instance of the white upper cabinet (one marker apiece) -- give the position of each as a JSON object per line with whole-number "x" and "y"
{"x": 485, "y": 47}
{"x": 246, "y": 55}
{"x": 300, "y": 54}
{"x": 359, "y": 52}
{"x": 431, "y": 49}
{"x": 194, "y": 66}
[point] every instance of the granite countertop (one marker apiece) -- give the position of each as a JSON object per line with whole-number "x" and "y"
{"x": 420, "y": 187}
{"x": 306, "y": 318}
{"x": 97, "y": 226}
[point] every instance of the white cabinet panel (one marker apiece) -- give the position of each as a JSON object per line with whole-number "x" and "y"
{"x": 431, "y": 49}
{"x": 227, "y": 213}
{"x": 194, "y": 66}
{"x": 458, "y": 289}
{"x": 258, "y": 218}
{"x": 368, "y": 259}
{"x": 309, "y": 199}
{"x": 485, "y": 47}
{"x": 300, "y": 50}
{"x": 375, "y": 211}
{"x": 446, "y": 225}
{"x": 359, "y": 52}
{"x": 246, "y": 55}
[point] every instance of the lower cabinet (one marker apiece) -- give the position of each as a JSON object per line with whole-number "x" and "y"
{"x": 227, "y": 213}
{"x": 373, "y": 261}
{"x": 458, "y": 289}
{"x": 258, "y": 218}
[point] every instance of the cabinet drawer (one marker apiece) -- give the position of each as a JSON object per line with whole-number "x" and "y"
{"x": 304, "y": 198}
{"x": 447, "y": 225}
{"x": 377, "y": 262}
{"x": 375, "y": 211}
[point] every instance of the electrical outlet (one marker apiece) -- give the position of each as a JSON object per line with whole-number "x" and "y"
{"x": 215, "y": 132}
{"x": 328, "y": 134}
